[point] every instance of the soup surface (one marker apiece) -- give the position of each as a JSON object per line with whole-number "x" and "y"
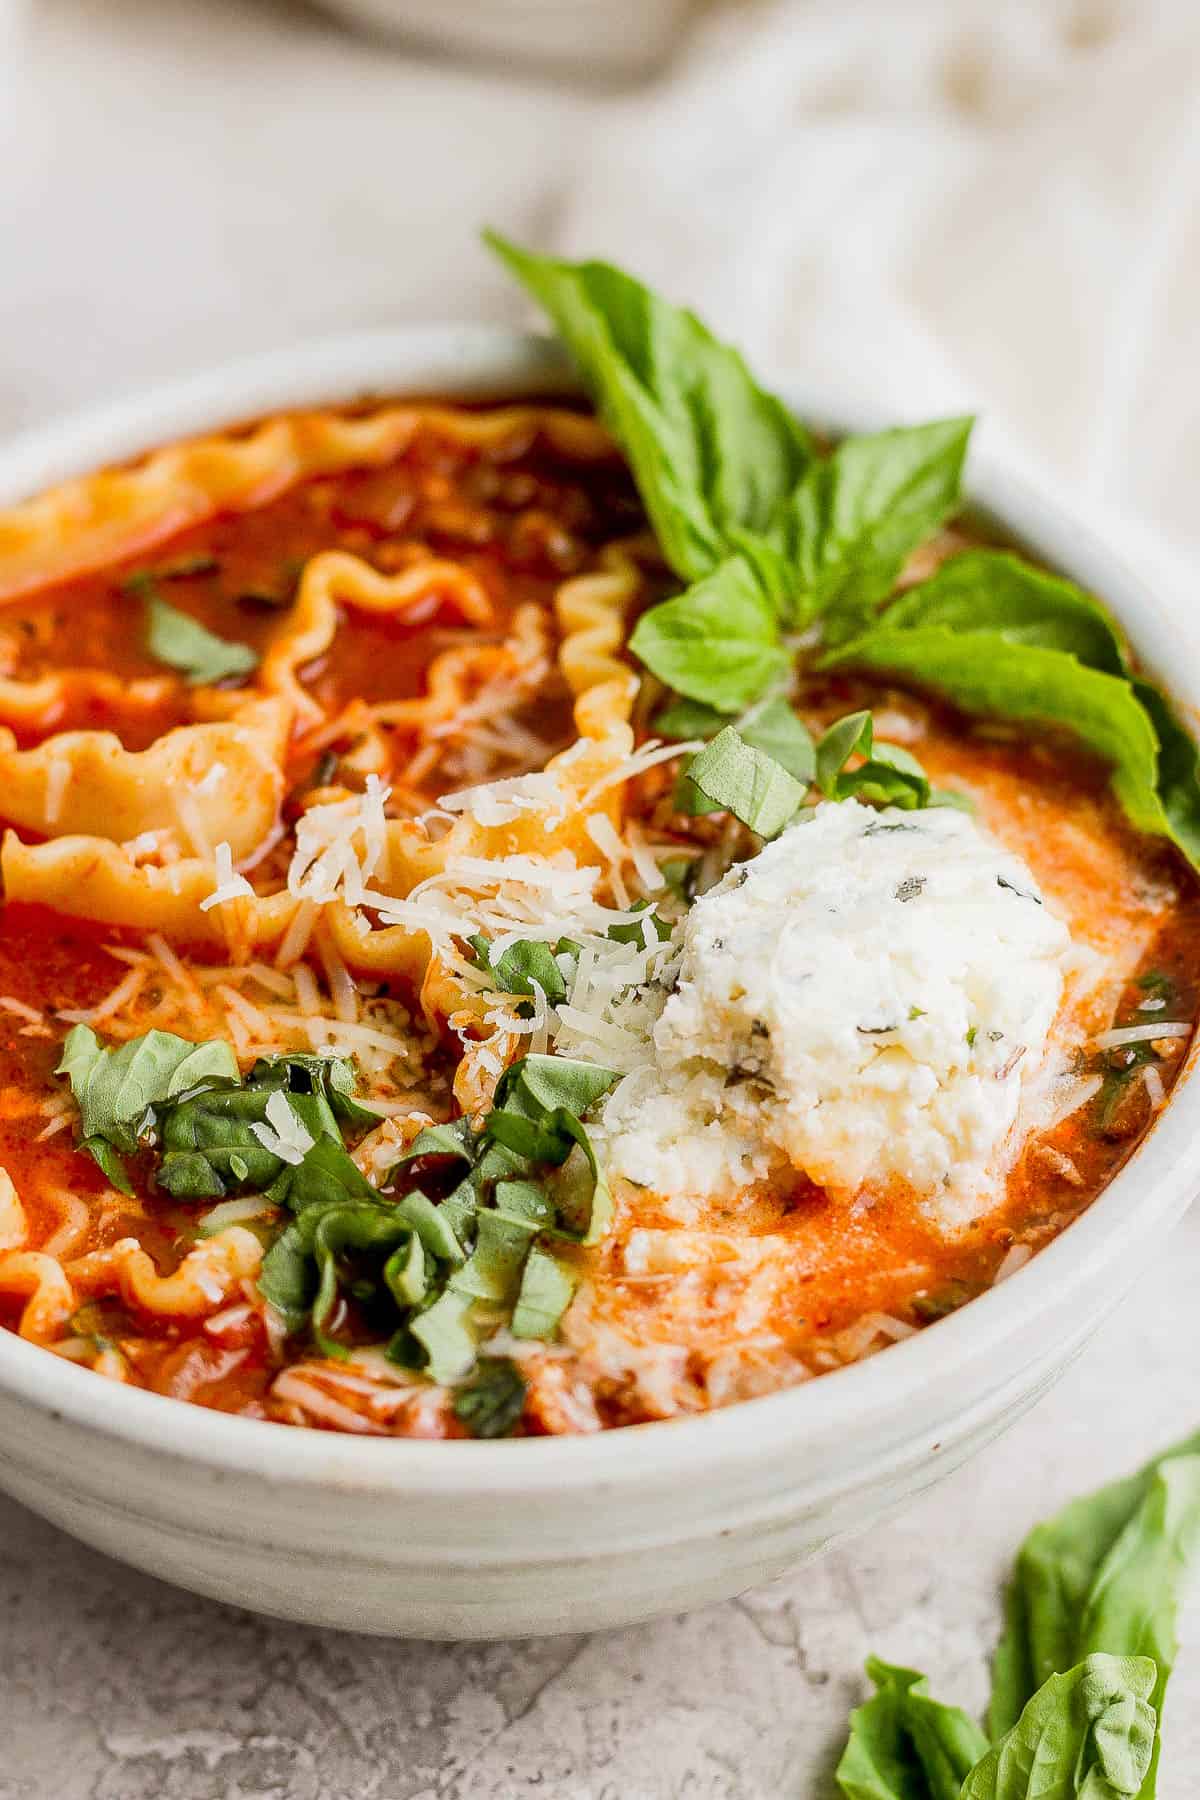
{"x": 396, "y": 1038}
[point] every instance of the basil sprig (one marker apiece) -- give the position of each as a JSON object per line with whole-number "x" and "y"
{"x": 1080, "y": 1675}
{"x": 768, "y": 533}
{"x": 904, "y": 1744}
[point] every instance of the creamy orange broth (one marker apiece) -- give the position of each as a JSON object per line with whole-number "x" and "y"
{"x": 755, "y": 1291}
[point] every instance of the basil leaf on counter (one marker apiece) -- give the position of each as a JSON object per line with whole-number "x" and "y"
{"x": 734, "y": 777}
{"x": 904, "y": 1745}
{"x": 713, "y": 453}
{"x": 1106, "y": 1573}
{"x": 490, "y": 1404}
{"x": 175, "y": 638}
{"x": 717, "y": 641}
{"x": 858, "y": 515}
{"x": 1087, "y": 1734}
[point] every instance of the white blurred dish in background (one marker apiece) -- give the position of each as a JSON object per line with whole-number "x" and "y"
{"x": 603, "y": 37}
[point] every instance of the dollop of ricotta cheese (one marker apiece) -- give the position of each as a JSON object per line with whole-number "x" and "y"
{"x": 863, "y": 1002}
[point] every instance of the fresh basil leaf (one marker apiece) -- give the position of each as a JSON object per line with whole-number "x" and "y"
{"x": 454, "y": 1140}
{"x": 334, "y": 1232}
{"x": 717, "y": 641}
{"x": 491, "y": 1403}
{"x": 405, "y": 1272}
{"x": 547, "y": 1287}
{"x": 287, "y": 1277}
{"x": 327, "y": 1173}
{"x": 890, "y": 777}
{"x": 993, "y": 590}
{"x": 1087, "y": 1734}
{"x": 175, "y": 638}
{"x": 858, "y": 515}
{"x": 751, "y": 785}
{"x": 523, "y": 964}
{"x": 681, "y": 874}
{"x": 332, "y": 1077}
{"x": 433, "y": 1227}
{"x": 441, "y": 1340}
{"x": 109, "y": 1161}
{"x": 904, "y": 1745}
{"x": 713, "y": 454}
{"x": 983, "y": 592}
{"x": 1106, "y": 1573}
{"x": 685, "y": 719}
{"x": 984, "y": 672}
{"x": 502, "y": 1242}
{"x": 635, "y": 931}
{"x": 853, "y": 735}
{"x": 116, "y": 1089}
{"x": 780, "y": 733}
{"x": 1178, "y": 770}
{"x": 81, "y": 1051}
{"x": 547, "y": 1082}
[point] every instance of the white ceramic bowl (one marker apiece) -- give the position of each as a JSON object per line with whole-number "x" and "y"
{"x": 585, "y": 37}
{"x": 489, "y": 1540}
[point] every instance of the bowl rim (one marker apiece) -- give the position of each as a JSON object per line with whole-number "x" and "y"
{"x": 465, "y": 362}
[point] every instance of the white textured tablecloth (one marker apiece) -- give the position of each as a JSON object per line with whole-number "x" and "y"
{"x": 923, "y": 201}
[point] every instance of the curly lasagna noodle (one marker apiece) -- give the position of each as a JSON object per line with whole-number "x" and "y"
{"x": 398, "y": 1036}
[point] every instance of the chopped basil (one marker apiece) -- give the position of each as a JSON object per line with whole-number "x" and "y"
{"x": 175, "y": 638}
{"x": 547, "y": 1286}
{"x": 636, "y": 930}
{"x": 888, "y": 775}
{"x": 117, "y": 1090}
{"x": 526, "y": 965}
{"x": 736, "y": 778}
{"x": 490, "y": 1404}
{"x": 681, "y": 874}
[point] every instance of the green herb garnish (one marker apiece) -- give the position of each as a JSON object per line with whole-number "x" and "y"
{"x": 769, "y": 534}
{"x": 175, "y": 638}
{"x": 491, "y": 1403}
{"x": 411, "y": 1266}
{"x": 1080, "y": 1674}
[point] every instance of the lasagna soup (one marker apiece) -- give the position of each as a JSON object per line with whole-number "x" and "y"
{"x": 428, "y": 1009}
